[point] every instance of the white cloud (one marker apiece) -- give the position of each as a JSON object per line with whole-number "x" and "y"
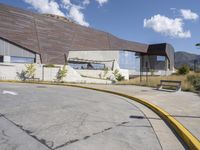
{"x": 101, "y": 2}
{"x": 172, "y": 8}
{"x": 67, "y": 2}
{"x": 86, "y": 2}
{"x": 73, "y": 9}
{"x": 167, "y": 26}
{"x": 76, "y": 14}
{"x": 188, "y": 14}
{"x": 46, "y": 6}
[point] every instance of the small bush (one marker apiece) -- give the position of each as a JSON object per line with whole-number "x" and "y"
{"x": 62, "y": 72}
{"x": 116, "y": 71}
{"x": 49, "y": 65}
{"x": 183, "y": 70}
{"x": 117, "y": 75}
{"x": 30, "y": 70}
{"x": 22, "y": 75}
{"x": 28, "y": 73}
{"x": 195, "y": 81}
{"x": 198, "y": 44}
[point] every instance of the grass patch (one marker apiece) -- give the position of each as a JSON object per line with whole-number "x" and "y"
{"x": 153, "y": 81}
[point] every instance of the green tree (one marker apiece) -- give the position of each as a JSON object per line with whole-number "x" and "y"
{"x": 184, "y": 69}
{"x": 198, "y": 44}
{"x": 62, "y": 72}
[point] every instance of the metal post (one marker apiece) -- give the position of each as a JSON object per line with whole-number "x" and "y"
{"x": 141, "y": 65}
{"x": 113, "y": 64}
{"x": 43, "y": 73}
{"x": 195, "y": 63}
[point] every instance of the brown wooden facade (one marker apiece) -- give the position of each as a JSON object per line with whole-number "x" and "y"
{"x": 53, "y": 38}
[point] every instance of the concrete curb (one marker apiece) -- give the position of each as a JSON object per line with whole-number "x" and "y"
{"x": 191, "y": 141}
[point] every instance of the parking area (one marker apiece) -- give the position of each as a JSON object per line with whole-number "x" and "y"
{"x": 56, "y": 117}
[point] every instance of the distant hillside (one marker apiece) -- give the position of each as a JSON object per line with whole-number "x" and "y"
{"x": 185, "y": 58}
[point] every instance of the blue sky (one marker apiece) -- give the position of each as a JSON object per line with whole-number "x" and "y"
{"x": 174, "y": 21}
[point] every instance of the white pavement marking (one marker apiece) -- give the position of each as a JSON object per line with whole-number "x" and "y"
{"x": 9, "y": 92}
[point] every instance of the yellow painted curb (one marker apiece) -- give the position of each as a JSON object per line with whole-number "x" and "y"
{"x": 192, "y": 142}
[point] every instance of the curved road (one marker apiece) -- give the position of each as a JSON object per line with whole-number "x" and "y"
{"x": 46, "y": 117}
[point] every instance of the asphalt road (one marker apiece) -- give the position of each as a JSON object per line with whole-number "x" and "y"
{"x": 42, "y": 117}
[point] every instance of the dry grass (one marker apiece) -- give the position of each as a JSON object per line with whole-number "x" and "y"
{"x": 153, "y": 81}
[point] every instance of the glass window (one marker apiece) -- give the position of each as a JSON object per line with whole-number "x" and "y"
{"x": 1, "y": 58}
{"x": 91, "y": 66}
{"x": 15, "y": 59}
{"x": 160, "y": 58}
{"x": 129, "y": 60}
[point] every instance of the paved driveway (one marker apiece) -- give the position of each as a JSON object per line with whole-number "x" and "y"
{"x": 184, "y": 106}
{"x": 46, "y": 117}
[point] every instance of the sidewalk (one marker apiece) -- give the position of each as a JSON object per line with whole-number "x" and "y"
{"x": 184, "y": 106}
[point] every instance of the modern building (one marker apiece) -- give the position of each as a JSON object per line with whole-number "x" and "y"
{"x": 27, "y": 37}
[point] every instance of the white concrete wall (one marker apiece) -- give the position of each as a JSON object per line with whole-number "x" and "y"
{"x": 100, "y": 73}
{"x": 125, "y": 73}
{"x": 8, "y": 71}
{"x": 92, "y": 80}
{"x": 99, "y": 56}
{"x": 96, "y": 56}
{"x": 6, "y": 59}
{"x": 92, "y": 73}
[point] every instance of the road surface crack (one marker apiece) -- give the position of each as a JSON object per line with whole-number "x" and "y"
{"x": 89, "y": 136}
{"x": 42, "y": 141}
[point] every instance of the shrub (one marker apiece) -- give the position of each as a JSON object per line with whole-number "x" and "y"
{"x": 195, "y": 81}
{"x": 117, "y": 75}
{"x": 116, "y": 71}
{"x": 22, "y": 75}
{"x": 184, "y": 69}
{"x": 62, "y": 72}
{"x": 30, "y": 70}
{"x": 49, "y": 65}
{"x": 198, "y": 44}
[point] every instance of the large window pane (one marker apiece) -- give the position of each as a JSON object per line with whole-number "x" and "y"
{"x": 91, "y": 66}
{"x": 15, "y": 59}
{"x": 160, "y": 58}
{"x": 129, "y": 60}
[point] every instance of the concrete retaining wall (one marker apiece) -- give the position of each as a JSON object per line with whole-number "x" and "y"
{"x": 8, "y": 71}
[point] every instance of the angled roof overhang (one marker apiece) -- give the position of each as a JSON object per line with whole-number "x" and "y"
{"x": 52, "y": 37}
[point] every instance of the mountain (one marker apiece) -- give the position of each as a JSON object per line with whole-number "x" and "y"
{"x": 185, "y": 58}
